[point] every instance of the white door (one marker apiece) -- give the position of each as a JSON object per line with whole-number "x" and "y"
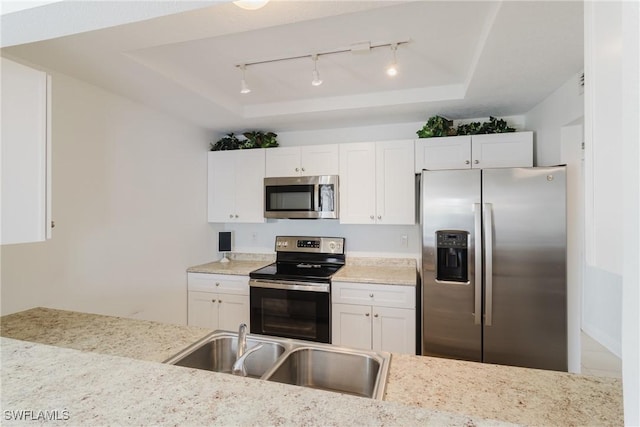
{"x": 394, "y": 330}
{"x": 283, "y": 161}
{"x": 504, "y": 150}
{"x": 449, "y": 152}
{"x": 203, "y": 309}
{"x": 395, "y": 183}
{"x": 221, "y": 186}
{"x": 351, "y": 325}
{"x": 320, "y": 159}
{"x": 249, "y": 179}
{"x": 25, "y": 207}
{"x": 233, "y": 310}
{"x": 358, "y": 183}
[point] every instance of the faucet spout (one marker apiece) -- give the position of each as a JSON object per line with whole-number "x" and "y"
{"x": 239, "y": 367}
{"x": 242, "y": 340}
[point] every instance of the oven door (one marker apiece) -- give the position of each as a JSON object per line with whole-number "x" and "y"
{"x": 291, "y": 310}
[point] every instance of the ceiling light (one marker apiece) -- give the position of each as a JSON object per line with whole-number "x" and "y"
{"x": 316, "y": 75}
{"x": 250, "y": 4}
{"x": 392, "y": 69}
{"x": 244, "y": 87}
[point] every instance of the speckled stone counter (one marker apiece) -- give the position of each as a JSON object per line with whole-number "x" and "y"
{"x": 78, "y": 388}
{"x": 239, "y": 264}
{"x": 388, "y": 271}
{"x": 177, "y": 395}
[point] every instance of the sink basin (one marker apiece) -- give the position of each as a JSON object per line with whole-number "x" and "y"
{"x": 302, "y": 363}
{"x": 332, "y": 370}
{"x": 219, "y": 353}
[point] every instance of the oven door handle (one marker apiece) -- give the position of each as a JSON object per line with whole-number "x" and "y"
{"x": 289, "y": 286}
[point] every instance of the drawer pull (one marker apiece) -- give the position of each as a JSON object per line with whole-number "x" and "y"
{"x": 370, "y": 295}
{"x": 367, "y": 314}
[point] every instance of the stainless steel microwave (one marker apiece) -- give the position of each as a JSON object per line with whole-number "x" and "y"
{"x": 303, "y": 197}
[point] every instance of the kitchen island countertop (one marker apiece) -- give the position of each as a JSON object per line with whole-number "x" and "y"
{"x": 420, "y": 390}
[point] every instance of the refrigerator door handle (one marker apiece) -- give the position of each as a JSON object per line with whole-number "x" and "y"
{"x": 488, "y": 262}
{"x": 477, "y": 214}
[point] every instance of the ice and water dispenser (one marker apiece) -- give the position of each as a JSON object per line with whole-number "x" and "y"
{"x": 452, "y": 249}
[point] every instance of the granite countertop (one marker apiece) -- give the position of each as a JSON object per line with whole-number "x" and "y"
{"x": 240, "y": 264}
{"x": 418, "y": 388}
{"x": 388, "y": 271}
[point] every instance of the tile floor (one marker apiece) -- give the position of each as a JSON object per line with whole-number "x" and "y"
{"x": 597, "y": 360}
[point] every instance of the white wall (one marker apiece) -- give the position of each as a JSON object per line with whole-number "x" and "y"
{"x": 612, "y": 108}
{"x": 561, "y": 108}
{"x": 631, "y": 212}
{"x": 129, "y": 203}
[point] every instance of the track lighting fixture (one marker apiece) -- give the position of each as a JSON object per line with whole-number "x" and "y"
{"x": 244, "y": 87}
{"x": 358, "y": 48}
{"x": 250, "y": 4}
{"x": 392, "y": 69}
{"x": 316, "y": 75}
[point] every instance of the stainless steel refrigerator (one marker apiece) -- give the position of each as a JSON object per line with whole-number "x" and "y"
{"x": 494, "y": 266}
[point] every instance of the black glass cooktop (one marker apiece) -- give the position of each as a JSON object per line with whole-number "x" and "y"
{"x": 302, "y": 271}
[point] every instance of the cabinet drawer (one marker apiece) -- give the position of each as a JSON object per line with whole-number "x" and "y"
{"x": 220, "y": 283}
{"x": 373, "y": 294}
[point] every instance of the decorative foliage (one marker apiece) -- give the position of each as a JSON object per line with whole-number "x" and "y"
{"x": 494, "y": 125}
{"x": 436, "y": 126}
{"x": 439, "y": 126}
{"x": 254, "y": 139}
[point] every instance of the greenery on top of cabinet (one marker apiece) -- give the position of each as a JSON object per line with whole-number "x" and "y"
{"x": 253, "y": 139}
{"x": 440, "y": 126}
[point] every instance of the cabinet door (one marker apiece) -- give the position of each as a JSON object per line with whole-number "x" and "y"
{"x": 503, "y": 150}
{"x": 203, "y": 310}
{"x": 25, "y": 214}
{"x": 283, "y": 161}
{"x": 451, "y": 152}
{"x": 358, "y": 183}
{"x": 221, "y": 184}
{"x": 218, "y": 283}
{"x": 320, "y": 159}
{"x": 233, "y": 310}
{"x": 249, "y": 179}
{"x": 394, "y": 330}
{"x": 351, "y": 325}
{"x": 395, "y": 183}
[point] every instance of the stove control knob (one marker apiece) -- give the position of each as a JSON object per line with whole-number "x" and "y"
{"x": 332, "y": 246}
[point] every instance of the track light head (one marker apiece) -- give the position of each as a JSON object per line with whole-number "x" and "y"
{"x": 317, "y": 81}
{"x": 244, "y": 87}
{"x": 392, "y": 69}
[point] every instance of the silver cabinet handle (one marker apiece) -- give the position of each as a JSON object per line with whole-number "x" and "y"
{"x": 375, "y": 315}
{"x": 220, "y": 301}
{"x": 379, "y": 216}
{"x": 367, "y": 314}
{"x": 476, "y": 161}
{"x": 302, "y": 169}
{"x": 370, "y": 295}
{"x": 466, "y": 162}
{"x": 477, "y": 214}
{"x": 230, "y": 215}
{"x": 217, "y": 284}
{"x": 297, "y": 170}
{"x": 213, "y": 300}
{"x": 236, "y": 215}
{"x": 488, "y": 263}
{"x": 371, "y": 216}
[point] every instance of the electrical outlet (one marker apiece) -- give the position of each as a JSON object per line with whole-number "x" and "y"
{"x": 404, "y": 241}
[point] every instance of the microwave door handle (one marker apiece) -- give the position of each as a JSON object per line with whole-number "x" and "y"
{"x": 316, "y": 197}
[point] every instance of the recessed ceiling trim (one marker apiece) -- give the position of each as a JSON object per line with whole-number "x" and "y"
{"x": 335, "y": 103}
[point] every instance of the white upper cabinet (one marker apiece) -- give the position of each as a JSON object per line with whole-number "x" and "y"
{"x": 377, "y": 184}
{"x": 514, "y": 149}
{"x": 235, "y": 185}
{"x": 303, "y": 161}
{"x": 25, "y": 151}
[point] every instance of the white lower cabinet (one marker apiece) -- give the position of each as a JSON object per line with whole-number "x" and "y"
{"x": 218, "y": 301}
{"x": 374, "y": 317}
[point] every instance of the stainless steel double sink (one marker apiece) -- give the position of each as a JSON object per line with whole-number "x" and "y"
{"x": 307, "y": 364}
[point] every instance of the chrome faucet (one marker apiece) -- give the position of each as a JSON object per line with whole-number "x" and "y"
{"x": 242, "y": 353}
